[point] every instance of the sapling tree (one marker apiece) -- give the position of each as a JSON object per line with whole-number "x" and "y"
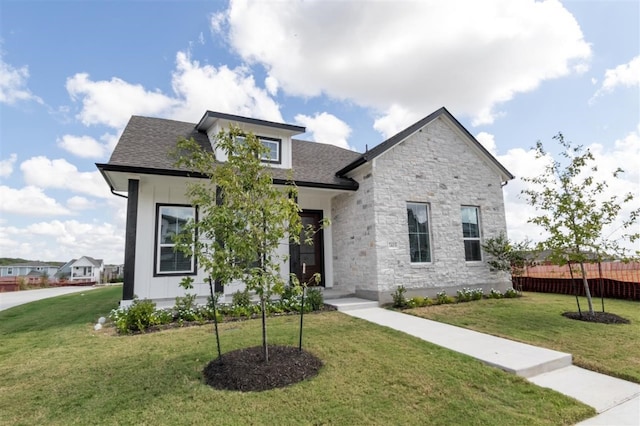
{"x": 243, "y": 217}
{"x": 509, "y": 256}
{"x": 574, "y": 210}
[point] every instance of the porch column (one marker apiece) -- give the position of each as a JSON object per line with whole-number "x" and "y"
{"x": 130, "y": 241}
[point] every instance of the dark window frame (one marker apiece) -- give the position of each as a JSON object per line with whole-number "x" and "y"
{"x": 157, "y": 245}
{"x": 468, "y": 241}
{"x": 428, "y": 252}
{"x": 266, "y": 159}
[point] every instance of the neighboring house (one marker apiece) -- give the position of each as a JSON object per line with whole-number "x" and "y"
{"x": 412, "y": 211}
{"x": 83, "y": 269}
{"x": 112, "y": 272}
{"x": 24, "y": 269}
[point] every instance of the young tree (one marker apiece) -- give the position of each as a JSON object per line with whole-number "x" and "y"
{"x": 508, "y": 256}
{"x": 242, "y": 217}
{"x": 574, "y": 209}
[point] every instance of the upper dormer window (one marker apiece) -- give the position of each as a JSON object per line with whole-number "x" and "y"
{"x": 274, "y": 149}
{"x": 273, "y": 145}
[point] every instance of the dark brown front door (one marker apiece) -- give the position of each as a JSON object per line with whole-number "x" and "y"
{"x": 306, "y": 259}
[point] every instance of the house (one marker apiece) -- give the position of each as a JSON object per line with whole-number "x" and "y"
{"x": 83, "y": 269}
{"x": 112, "y": 272}
{"x": 412, "y": 211}
{"x": 24, "y": 269}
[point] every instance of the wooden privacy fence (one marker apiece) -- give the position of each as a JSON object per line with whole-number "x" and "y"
{"x": 619, "y": 280}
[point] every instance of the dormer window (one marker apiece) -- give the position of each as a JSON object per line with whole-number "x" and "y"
{"x": 274, "y": 147}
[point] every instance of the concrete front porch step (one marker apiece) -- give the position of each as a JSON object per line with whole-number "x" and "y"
{"x": 351, "y": 303}
{"x": 594, "y": 389}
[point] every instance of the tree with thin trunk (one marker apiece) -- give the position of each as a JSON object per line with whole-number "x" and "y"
{"x": 243, "y": 218}
{"x": 574, "y": 209}
{"x": 508, "y": 256}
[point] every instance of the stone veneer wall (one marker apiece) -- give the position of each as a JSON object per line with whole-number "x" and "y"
{"x": 353, "y": 227}
{"x": 435, "y": 166}
{"x": 371, "y": 247}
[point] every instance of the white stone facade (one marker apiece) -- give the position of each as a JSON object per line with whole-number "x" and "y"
{"x": 439, "y": 166}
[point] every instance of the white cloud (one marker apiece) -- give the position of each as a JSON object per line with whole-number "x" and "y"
{"x": 29, "y": 201}
{"x": 13, "y": 84}
{"x": 204, "y": 87}
{"x": 217, "y": 22}
{"x": 414, "y": 56}
{"x": 625, "y": 153}
{"x": 271, "y": 83}
{"x": 82, "y": 146}
{"x": 64, "y": 240}
{"x": 626, "y": 75}
{"x": 196, "y": 88}
{"x": 45, "y": 173}
{"x": 113, "y": 102}
{"x": 395, "y": 119}
{"x": 80, "y": 203}
{"x": 6, "y": 166}
{"x": 488, "y": 141}
{"x": 326, "y": 128}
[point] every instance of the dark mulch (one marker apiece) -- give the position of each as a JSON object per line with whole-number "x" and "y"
{"x": 600, "y": 317}
{"x": 245, "y": 370}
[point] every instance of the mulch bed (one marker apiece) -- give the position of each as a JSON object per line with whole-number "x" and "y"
{"x": 600, "y": 317}
{"x": 245, "y": 369}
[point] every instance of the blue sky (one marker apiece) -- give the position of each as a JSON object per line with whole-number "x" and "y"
{"x": 354, "y": 73}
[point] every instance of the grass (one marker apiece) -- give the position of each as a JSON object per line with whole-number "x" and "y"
{"x": 57, "y": 370}
{"x": 536, "y": 318}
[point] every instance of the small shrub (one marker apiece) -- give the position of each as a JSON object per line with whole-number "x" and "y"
{"x": 291, "y": 292}
{"x": 463, "y": 295}
{"x": 495, "y": 294}
{"x": 241, "y": 298}
{"x": 510, "y": 293}
{"x": 442, "y": 298}
{"x": 137, "y": 317}
{"x": 399, "y": 299}
{"x": 315, "y": 299}
{"x": 162, "y": 316}
{"x": 187, "y": 302}
{"x": 477, "y": 294}
{"x": 239, "y": 311}
{"x": 419, "y": 302}
{"x": 467, "y": 294}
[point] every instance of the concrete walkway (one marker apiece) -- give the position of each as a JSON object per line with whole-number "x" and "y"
{"x": 15, "y": 298}
{"x": 616, "y": 401}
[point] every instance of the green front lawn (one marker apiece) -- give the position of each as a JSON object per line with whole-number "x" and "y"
{"x": 55, "y": 369}
{"x": 536, "y": 318}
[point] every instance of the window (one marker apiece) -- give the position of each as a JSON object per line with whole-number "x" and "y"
{"x": 272, "y": 145}
{"x": 170, "y": 221}
{"x": 418, "y": 221}
{"x": 9, "y": 271}
{"x": 471, "y": 234}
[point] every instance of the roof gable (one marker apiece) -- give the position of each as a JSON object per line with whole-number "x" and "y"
{"x": 404, "y": 134}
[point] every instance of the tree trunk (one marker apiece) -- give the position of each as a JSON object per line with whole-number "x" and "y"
{"x": 265, "y": 348}
{"x": 587, "y": 293}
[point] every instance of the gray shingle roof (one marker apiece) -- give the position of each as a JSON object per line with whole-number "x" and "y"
{"x": 146, "y": 144}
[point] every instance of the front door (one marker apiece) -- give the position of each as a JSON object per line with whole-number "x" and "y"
{"x": 308, "y": 259}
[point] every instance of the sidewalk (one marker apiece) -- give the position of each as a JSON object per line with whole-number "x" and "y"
{"x": 616, "y": 401}
{"x": 15, "y": 298}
